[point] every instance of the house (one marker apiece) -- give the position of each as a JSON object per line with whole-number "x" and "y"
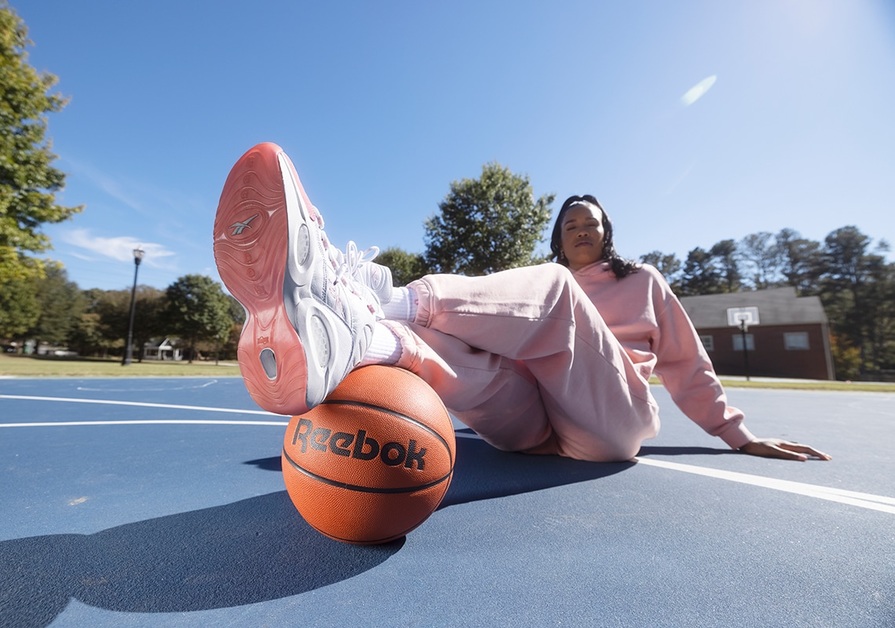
{"x": 164, "y": 350}
{"x": 790, "y": 339}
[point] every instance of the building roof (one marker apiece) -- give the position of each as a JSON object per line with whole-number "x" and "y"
{"x": 156, "y": 343}
{"x": 776, "y": 306}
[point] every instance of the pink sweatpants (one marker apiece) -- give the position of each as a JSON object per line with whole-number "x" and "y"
{"x": 524, "y": 358}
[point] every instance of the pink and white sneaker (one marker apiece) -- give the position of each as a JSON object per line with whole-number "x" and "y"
{"x": 309, "y": 321}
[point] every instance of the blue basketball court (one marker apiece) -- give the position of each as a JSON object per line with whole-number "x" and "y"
{"x": 160, "y": 502}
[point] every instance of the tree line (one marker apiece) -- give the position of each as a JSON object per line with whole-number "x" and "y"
{"x": 193, "y": 312}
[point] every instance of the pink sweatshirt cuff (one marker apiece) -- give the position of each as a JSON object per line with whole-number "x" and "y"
{"x": 737, "y": 436}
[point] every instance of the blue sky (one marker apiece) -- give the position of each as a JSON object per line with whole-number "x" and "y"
{"x": 693, "y": 121}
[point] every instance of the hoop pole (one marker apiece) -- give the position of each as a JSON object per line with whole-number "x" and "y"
{"x": 745, "y": 348}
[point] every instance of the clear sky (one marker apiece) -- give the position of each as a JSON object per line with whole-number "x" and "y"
{"x": 693, "y": 121}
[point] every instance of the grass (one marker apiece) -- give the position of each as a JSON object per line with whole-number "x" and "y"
{"x": 27, "y": 366}
{"x": 810, "y": 385}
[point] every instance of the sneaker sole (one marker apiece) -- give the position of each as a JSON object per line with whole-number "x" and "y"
{"x": 255, "y": 236}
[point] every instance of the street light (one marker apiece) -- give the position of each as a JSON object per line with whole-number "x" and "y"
{"x": 129, "y": 350}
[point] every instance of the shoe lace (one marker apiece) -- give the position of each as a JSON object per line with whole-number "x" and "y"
{"x": 352, "y": 259}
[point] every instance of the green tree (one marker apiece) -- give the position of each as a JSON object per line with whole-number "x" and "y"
{"x": 28, "y": 181}
{"x": 852, "y": 283}
{"x": 150, "y": 309}
{"x": 667, "y": 264}
{"x": 800, "y": 261}
{"x": 880, "y": 294}
{"x": 112, "y": 309}
{"x": 19, "y": 307}
{"x": 86, "y": 338}
{"x": 487, "y": 224}
{"x": 724, "y": 258}
{"x": 701, "y": 275}
{"x": 846, "y": 358}
{"x": 760, "y": 253}
{"x": 61, "y": 306}
{"x": 198, "y": 310}
{"x": 405, "y": 266}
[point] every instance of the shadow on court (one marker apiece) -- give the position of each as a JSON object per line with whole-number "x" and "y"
{"x": 250, "y": 551}
{"x": 685, "y": 451}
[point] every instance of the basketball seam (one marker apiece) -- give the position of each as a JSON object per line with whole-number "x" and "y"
{"x": 364, "y": 489}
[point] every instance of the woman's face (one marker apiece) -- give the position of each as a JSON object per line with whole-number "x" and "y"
{"x": 582, "y": 235}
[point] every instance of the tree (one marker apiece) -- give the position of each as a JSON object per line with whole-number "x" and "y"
{"x": 760, "y": 251}
{"x": 28, "y": 181}
{"x": 109, "y": 329}
{"x": 86, "y": 338}
{"x": 19, "y": 307}
{"x": 61, "y": 306}
{"x": 198, "y": 310}
{"x": 800, "y": 261}
{"x": 405, "y": 266}
{"x": 150, "y": 308}
{"x": 852, "y": 279}
{"x": 880, "y": 295}
{"x": 486, "y": 224}
{"x": 724, "y": 257}
{"x": 700, "y": 275}
{"x": 667, "y": 264}
{"x": 846, "y": 358}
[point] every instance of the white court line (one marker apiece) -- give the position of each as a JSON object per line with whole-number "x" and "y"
{"x": 140, "y": 404}
{"x": 143, "y": 422}
{"x": 852, "y": 498}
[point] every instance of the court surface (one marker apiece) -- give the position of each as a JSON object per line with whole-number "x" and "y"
{"x": 160, "y": 502}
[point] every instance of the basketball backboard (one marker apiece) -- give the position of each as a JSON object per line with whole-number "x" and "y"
{"x": 742, "y": 316}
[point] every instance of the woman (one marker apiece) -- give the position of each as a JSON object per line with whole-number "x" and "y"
{"x": 551, "y": 359}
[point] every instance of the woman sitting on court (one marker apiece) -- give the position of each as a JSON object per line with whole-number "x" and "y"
{"x": 547, "y": 359}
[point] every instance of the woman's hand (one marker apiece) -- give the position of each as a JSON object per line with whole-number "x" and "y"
{"x": 776, "y": 448}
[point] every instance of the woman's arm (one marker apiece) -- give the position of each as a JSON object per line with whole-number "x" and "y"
{"x": 688, "y": 374}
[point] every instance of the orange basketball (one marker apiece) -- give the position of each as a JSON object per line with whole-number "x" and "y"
{"x": 374, "y": 460}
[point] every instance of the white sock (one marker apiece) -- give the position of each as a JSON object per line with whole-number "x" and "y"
{"x": 385, "y": 348}
{"x": 403, "y": 305}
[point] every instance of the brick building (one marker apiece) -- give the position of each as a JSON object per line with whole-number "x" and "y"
{"x": 792, "y": 338}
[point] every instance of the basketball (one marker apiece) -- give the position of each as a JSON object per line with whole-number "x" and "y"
{"x": 373, "y": 460}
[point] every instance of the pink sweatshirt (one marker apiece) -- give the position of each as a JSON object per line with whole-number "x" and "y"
{"x": 658, "y": 336}
{"x": 543, "y": 360}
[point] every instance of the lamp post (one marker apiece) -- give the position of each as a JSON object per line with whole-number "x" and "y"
{"x": 129, "y": 349}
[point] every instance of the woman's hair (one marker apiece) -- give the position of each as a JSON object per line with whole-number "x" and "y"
{"x": 620, "y": 266}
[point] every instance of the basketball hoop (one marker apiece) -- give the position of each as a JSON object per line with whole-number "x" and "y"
{"x": 741, "y": 318}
